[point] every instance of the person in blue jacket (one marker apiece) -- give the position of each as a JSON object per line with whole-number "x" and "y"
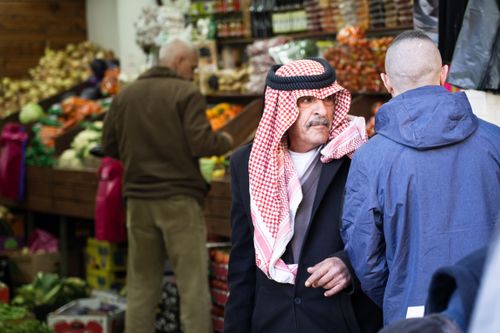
{"x": 425, "y": 190}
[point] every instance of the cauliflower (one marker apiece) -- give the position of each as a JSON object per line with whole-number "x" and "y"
{"x": 69, "y": 159}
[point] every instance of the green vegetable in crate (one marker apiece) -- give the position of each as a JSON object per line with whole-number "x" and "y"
{"x": 26, "y": 326}
{"x": 8, "y": 312}
{"x": 31, "y": 112}
{"x": 50, "y": 289}
{"x": 17, "y": 319}
{"x": 55, "y": 110}
{"x": 50, "y": 120}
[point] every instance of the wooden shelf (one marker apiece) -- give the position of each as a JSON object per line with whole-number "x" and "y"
{"x": 370, "y": 33}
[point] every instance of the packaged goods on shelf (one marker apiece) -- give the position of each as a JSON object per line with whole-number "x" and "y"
{"x": 260, "y": 62}
{"x": 294, "y": 50}
{"x": 223, "y": 80}
{"x": 156, "y": 24}
{"x": 358, "y": 61}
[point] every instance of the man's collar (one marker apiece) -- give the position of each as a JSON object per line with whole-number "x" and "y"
{"x": 159, "y": 71}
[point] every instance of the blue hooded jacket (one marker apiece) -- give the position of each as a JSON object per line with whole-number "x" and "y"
{"x": 423, "y": 193}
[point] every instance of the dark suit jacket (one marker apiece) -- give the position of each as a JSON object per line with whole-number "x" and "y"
{"x": 257, "y": 304}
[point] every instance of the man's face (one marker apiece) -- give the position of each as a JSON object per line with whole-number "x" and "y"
{"x": 312, "y": 127}
{"x": 186, "y": 66}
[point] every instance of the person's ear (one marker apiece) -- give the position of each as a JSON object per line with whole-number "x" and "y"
{"x": 444, "y": 74}
{"x": 387, "y": 83}
{"x": 177, "y": 63}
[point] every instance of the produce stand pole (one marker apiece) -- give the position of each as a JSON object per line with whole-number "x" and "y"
{"x": 63, "y": 245}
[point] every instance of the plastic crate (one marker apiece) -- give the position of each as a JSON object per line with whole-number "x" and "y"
{"x": 218, "y": 271}
{"x": 102, "y": 255}
{"x": 219, "y": 296}
{"x": 218, "y": 318}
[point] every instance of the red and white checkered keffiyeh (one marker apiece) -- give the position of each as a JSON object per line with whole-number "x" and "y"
{"x": 275, "y": 188}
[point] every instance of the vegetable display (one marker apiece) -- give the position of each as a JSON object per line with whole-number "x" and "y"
{"x": 17, "y": 319}
{"x": 51, "y": 290}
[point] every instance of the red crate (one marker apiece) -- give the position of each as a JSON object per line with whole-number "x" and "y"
{"x": 219, "y": 296}
{"x": 218, "y": 271}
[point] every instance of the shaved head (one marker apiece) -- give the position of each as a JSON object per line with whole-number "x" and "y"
{"x": 412, "y": 61}
{"x": 180, "y": 56}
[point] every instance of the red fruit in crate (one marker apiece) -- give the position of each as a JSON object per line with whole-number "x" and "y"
{"x": 62, "y": 327}
{"x": 94, "y": 327}
{"x": 77, "y": 327}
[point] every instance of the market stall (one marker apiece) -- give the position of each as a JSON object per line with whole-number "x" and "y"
{"x": 61, "y": 102}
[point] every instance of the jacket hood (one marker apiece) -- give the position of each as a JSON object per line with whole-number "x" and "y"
{"x": 158, "y": 71}
{"x": 426, "y": 117}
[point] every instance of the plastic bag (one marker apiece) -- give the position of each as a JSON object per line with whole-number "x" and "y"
{"x": 13, "y": 143}
{"x": 476, "y": 58}
{"x": 109, "y": 210}
{"x": 40, "y": 240}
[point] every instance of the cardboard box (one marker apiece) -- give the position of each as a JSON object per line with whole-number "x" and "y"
{"x": 103, "y": 280}
{"x": 85, "y": 316}
{"x": 102, "y": 255}
{"x": 24, "y": 267}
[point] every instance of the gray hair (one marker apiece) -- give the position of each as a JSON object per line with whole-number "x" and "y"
{"x": 173, "y": 49}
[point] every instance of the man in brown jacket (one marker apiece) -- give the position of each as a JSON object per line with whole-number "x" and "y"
{"x": 157, "y": 127}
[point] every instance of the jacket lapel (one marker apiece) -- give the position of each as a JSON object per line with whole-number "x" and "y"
{"x": 328, "y": 172}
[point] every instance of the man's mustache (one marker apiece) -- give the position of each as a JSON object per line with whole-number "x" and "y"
{"x": 318, "y": 121}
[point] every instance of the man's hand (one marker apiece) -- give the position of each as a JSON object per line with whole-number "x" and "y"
{"x": 331, "y": 274}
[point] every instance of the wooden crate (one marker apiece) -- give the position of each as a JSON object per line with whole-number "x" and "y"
{"x": 62, "y": 192}
{"x": 245, "y": 123}
{"x": 72, "y": 193}
{"x": 217, "y": 208}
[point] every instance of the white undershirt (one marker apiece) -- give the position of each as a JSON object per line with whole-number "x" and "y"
{"x": 302, "y": 161}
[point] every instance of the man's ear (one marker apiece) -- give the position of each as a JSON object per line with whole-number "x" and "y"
{"x": 387, "y": 83}
{"x": 177, "y": 63}
{"x": 444, "y": 74}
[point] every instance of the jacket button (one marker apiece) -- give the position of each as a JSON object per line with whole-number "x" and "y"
{"x": 297, "y": 300}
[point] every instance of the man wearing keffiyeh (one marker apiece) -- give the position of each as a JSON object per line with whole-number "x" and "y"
{"x": 288, "y": 271}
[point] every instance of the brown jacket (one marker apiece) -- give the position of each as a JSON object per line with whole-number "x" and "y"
{"x": 157, "y": 127}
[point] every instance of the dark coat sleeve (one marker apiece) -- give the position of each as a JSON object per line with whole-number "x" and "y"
{"x": 201, "y": 139}
{"x": 463, "y": 277}
{"x": 242, "y": 269}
